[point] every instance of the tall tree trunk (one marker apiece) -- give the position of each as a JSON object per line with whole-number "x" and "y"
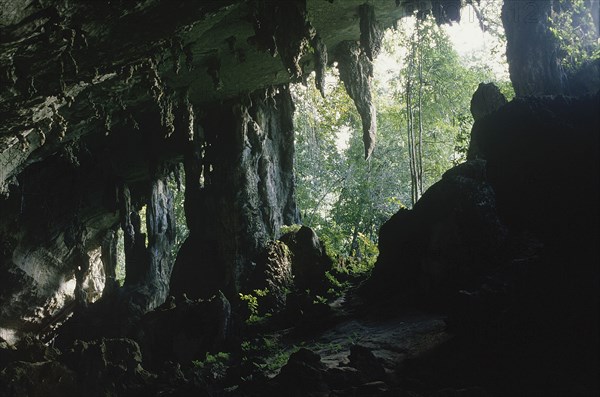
{"x": 411, "y": 152}
{"x": 354, "y": 243}
{"x": 414, "y": 171}
{"x": 420, "y": 142}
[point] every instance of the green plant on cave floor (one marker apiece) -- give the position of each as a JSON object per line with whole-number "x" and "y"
{"x": 357, "y": 265}
{"x": 214, "y": 366}
{"x": 252, "y": 301}
{"x": 267, "y": 353}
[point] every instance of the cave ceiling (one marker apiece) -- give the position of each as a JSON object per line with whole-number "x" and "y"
{"x": 99, "y": 101}
{"x": 69, "y": 69}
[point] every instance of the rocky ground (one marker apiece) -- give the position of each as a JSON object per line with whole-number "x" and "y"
{"x": 343, "y": 348}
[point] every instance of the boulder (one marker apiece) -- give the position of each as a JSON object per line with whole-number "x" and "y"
{"x": 37, "y": 379}
{"x": 28, "y": 349}
{"x": 450, "y": 238}
{"x": 272, "y": 274}
{"x": 365, "y": 361}
{"x": 108, "y": 367}
{"x": 303, "y": 375}
{"x": 487, "y": 99}
{"x": 309, "y": 260}
{"x": 184, "y": 330}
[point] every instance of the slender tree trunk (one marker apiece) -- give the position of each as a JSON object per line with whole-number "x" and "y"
{"x": 411, "y": 146}
{"x": 420, "y": 142}
{"x": 354, "y": 243}
{"x": 414, "y": 171}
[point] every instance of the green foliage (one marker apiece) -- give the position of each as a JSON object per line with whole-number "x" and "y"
{"x": 214, "y": 366}
{"x": 572, "y": 27}
{"x": 252, "y": 300}
{"x": 290, "y": 228}
{"x": 211, "y": 359}
{"x": 319, "y": 300}
{"x": 267, "y": 353}
{"x": 333, "y": 281}
{"x": 345, "y": 198}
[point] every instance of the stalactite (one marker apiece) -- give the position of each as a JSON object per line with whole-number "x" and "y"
{"x": 370, "y": 33}
{"x": 107, "y": 123}
{"x": 189, "y": 57}
{"x": 42, "y": 136}
{"x": 176, "y": 51}
{"x": 162, "y": 98}
{"x": 160, "y": 220}
{"x": 23, "y": 141}
{"x": 291, "y": 40}
{"x": 58, "y": 124}
{"x": 109, "y": 261}
{"x": 320, "y": 63}
{"x": 82, "y": 266}
{"x": 356, "y": 71}
{"x": 214, "y": 71}
{"x": 191, "y": 117}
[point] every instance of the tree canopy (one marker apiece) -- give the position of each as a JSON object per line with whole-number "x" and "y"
{"x": 422, "y": 89}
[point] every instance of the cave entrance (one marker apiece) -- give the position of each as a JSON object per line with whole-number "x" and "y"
{"x": 423, "y": 80}
{"x": 120, "y": 270}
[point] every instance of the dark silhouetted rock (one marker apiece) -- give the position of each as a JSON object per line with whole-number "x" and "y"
{"x": 309, "y": 260}
{"x": 108, "y": 367}
{"x": 185, "y": 330}
{"x": 38, "y": 379}
{"x": 486, "y": 99}
{"x": 363, "y": 360}
{"x": 303, "y": 375}
{"x": 537, "y": 150}
{"x": 448, "y": 240}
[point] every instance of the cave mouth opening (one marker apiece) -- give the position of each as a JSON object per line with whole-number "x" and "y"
{"x": 241, "y": 192}
{"x": 423, "y": 81}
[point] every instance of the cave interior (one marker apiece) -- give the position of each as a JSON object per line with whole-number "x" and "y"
{"x": 487, "y": 287}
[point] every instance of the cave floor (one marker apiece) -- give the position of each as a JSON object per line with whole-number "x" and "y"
{"x": 391, "y": 337}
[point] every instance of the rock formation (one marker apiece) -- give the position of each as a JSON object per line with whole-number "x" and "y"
{"x": 533, "y": 54}
{"x": 101, "y": 102}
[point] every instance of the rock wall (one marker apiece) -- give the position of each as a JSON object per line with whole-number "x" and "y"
{"x": 100, "y": 100}
{"x": 506, "y": 243}
{"x": 239, "y": 191}
{"x": 533, "y": 54}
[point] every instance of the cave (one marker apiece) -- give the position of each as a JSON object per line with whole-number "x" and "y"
{"x": 114, "y": 112}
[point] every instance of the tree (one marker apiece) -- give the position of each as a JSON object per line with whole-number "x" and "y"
{"x": 423, "y": 91}
{"x": 572, "y": 25}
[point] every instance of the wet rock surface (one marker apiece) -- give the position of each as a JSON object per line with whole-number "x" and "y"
{"x": 92, "y": 108}
{"x": 101, "y": 102}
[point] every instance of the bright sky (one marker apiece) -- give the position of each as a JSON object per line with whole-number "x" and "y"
{"x": 466, "y": 36}
{"x": 469, "y": 40}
